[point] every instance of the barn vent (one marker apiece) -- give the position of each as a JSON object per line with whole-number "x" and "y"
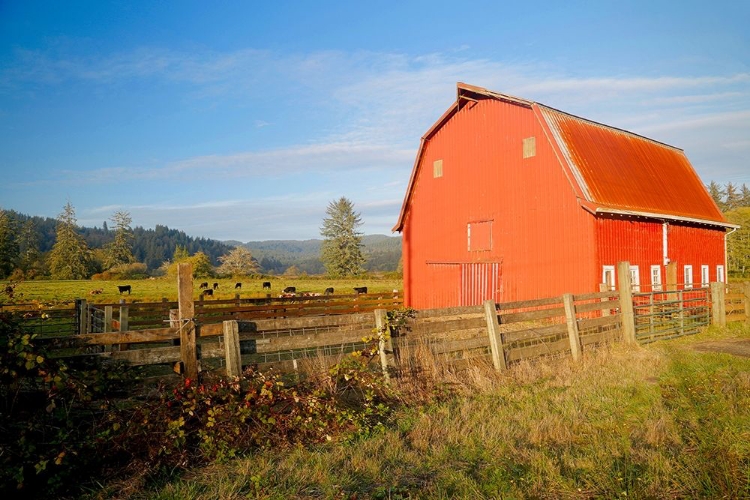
{"x": 437, "y": 169}
{"x": 529, "y": 147}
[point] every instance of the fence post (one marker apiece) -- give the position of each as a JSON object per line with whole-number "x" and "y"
{"x": 603, "y": 287}
{"x": 718, "y": 308}
{"x": 747, "y": 302}
{"x": 671, "y": 276}
{"x": 188, "y": 333}
{"x": 174, "y": 322}
{"x": 381, "y": 326}
{"x": 82, "y": 316}
{"x": 496, "y": 340}
{"x": 626, "y": 302}
{"x": 124, "y": 320}
{"x": 107, "y": 325}
{"x": 570, "y": 319}
{"x": 232, "y": 348}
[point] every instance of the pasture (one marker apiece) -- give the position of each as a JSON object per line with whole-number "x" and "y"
{"x": 155, "y": 289}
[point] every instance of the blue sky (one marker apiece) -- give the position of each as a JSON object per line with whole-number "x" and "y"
{"x": 243, "y": 120}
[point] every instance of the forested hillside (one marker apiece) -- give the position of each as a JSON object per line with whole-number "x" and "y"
{"x": 734, "y": 202}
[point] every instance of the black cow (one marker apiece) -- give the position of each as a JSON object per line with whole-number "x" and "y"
{"x": 266, "y": 285}
{"x": 123, "y": 289}
{"x": 238, "y": 285}
{"x": 329, "y": 291}
{"x": 360, "y": 289}
{"x": 207, "y": 292}
{"x": 203, "y": 285}
{"x": 216, "y": 286}
{"x": 290, "y": 289}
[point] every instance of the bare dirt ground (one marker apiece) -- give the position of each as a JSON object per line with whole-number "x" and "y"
{"x": 738, "y": 347}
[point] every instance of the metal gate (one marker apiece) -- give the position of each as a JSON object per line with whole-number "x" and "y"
{"x": 666, "y": 314}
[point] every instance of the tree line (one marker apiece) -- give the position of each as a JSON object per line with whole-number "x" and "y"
{"x": 734, "y": 202}
{"x": 34, "y": 247}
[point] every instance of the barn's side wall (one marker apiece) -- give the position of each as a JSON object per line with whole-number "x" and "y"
{"x": 542, "y": 241}
{"x": 641, "y": 242}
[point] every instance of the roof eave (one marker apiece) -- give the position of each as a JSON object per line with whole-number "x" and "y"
{"x": 596, "y": 210}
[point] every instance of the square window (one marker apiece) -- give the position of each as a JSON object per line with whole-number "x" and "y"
{"x": 437, "y": 168}
{"x": 479, "y": 235}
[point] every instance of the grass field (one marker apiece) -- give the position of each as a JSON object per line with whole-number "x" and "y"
{"x": 153, "y": 290}
{"x": 662, "y": 421}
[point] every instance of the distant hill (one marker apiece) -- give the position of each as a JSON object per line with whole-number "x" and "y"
{"x": 276, "y": 256}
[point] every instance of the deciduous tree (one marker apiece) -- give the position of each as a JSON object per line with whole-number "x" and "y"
{"x": 70, "y": 258}
{"x": 341, "y": 251}
{"x": 238, "y": 262}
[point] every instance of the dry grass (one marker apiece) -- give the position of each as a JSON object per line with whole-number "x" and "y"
{"x": 663, "y": 421}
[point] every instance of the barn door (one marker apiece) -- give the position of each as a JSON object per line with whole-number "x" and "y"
{"x": 480, "y": 281}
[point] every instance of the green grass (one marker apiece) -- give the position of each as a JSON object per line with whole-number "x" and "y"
{"x": 664, "y": 421}
{"x": 153, "y": 290}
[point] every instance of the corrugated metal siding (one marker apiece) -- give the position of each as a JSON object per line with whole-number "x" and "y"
{"x": 696, "y": 246}
{"x": 539, "y": 233}
{"x": 626, "y": 171}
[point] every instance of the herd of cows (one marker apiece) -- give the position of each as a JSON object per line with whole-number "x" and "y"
{"x": 289, "y": 291}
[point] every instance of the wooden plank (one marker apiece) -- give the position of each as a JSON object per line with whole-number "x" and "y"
{"x": 572, "y": 327}
{"x": 532, "y": 315}
{"x": 529, "y": 304}
{"x": 450, "y": 311}
{"x": 130, "y": 337}
{"x": 538, "y": 350}
{"x": 153, "y": 356}
{"x": 232, "y": 347}
{"x": 599, "y": 338}
{"x": 447, "y": 326}
{"x": 598, "y": 322}
{"x": 607, "y": 294}
{"x": 534, "y": 333}
{"x": 494, "y": 336}
{"x": 595, "y": 306}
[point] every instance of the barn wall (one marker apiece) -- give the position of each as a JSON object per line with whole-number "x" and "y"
{"x": 542, "y": 242}
{"x": 640, "y": 242}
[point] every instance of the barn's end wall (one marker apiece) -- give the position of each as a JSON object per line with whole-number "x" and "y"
{"x": 529, "y": 237}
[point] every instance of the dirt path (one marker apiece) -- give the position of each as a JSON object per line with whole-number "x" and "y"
{"x": 738, "y": 347}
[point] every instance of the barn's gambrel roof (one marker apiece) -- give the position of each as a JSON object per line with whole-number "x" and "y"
{"x": 613, "y": 171}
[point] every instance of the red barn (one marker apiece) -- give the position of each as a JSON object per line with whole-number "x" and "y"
{"x": 513, "y": 200}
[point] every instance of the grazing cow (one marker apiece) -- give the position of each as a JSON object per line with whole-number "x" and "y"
{"x": 329, "y": 291}
{"x": 266, "y": 285}
{"x": 203, "y": 285}
{"x": 123, "y": 289}
{"x": 360, "y": 289}
{"x": 290, "y": 289}
{"x": 207, "y": 292}
{"x": 216, "y": 286}
{"x": 287, "y": 295}
{"x": 97, "y": 291}
{"x": 238, "y": 285}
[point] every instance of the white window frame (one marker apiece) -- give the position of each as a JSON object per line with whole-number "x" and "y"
{"x": 720, "y": 274}
{"x": 687, "y": 276}
{"x": 656, "y": 278}
{"x": 611, "y": 270}
{"x": 704, "y": 276}
{"x": 635, "y": 278}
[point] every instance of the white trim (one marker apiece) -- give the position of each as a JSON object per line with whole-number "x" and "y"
{"x": 635, "y": 278}
{"x": 687, "y": 272}
{"x": 611, "y": 271}
{"x": 705, "y": 278}
{"x": 605, "y": 210}
{"x": 656, "y": 278}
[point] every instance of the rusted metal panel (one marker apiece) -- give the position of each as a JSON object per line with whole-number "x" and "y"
{"x": 623, "y": 170}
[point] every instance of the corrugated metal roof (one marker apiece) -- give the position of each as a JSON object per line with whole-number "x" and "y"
{"x": 621, "y": 170}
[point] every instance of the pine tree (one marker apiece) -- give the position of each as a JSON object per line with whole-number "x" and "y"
{"x": 8, "y": 245}
{"x": 238, "y": 262}
{"x": 119, "y": 251}
{"x": 745, "y": 192}
{"x": 717, "y": 194}
{"x": 733, "y": 197}
{"x": 70, "y": 258}
{"x": 341, "y": 251}
{"x": 30, "y": 258}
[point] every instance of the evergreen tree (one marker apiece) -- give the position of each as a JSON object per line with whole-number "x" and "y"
{"x": 734, "y": 199}
{"x": 30, "y": 258}
{"x": 341, "y": 251}
{"x": 8, "y": 245}
{"x": 745, "y": 194}
{"x": 717, "y": 194}
{"x": 201, "y": 265}
{"x": 238, "y": 262}
{"x": 738, "y": 243}
{"x": 119, "y": 251}
{"x": 70, "y": 258}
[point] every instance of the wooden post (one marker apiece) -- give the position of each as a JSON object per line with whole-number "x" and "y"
{"x": 718, "y": 308}
{"x": 188, "y": 333}
{"x": 603, "y": 287}
{"x": 174, "y": 322}
{"x": 384, "y": 344}
{"x": 82, "y": 313}
{"x": 124, "y": 322}
{"x": 107, "y": 325}
{"x": 671, "y": 276}
{"x": 746, "y": 289}
{"x": 232, "y": 348}
{"x": 570, "y": 319}
{"x": 496, "y": 340}
{"x": 626, "y": 302}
